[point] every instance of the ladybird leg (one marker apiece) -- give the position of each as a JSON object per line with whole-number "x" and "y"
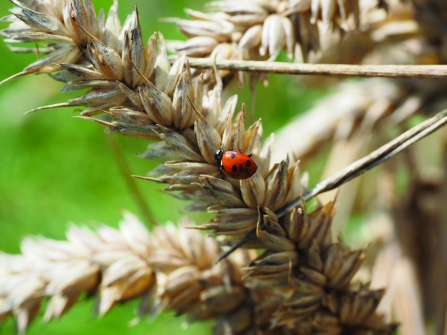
{"x": 249, "y": 155}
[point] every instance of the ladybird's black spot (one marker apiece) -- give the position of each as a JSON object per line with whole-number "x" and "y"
{"x": 233, "y": 155}
{"x": 248, "y": 163}
{"x": 234, "y": 168}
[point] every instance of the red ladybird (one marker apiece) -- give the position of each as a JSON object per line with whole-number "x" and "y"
{"x": 235, "y": 164}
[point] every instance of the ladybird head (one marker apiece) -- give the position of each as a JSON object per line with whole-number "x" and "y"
{"x": 218, "y": 156}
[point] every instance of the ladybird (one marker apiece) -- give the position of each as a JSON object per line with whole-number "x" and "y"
{"x": 235, "y": 164}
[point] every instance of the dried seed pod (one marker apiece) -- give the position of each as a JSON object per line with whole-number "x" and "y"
{"x": 151, "y": 56}
{"x": 222, "y": 190}
{"x": 350, "y": 265}
{"x": 157, "y": 104}
{"x": 243, "y": 13}
{"x": 289, "y": 36}
{"x": 253, "y": 139}
{"x": 253, "y": 191}
{"x": 173, "y": 76}
{"x": 50, "y": 63}
{"x": 323, "y": 236}
{"x": 184, "y": 116}
{"x": 134, "y": 56}
{"x": 293, "y": 223}
{"x": 231, "y": 219}
{"x": 147, "y": 132}
{"x": 133, "y": 96}
{"x": 303, "y": 301}
{"x": 251, "y": 38}
{"x": 222, "y": 299}
{"x": 331, "y": 302}
{"x": 273, "y": 36}
{"x": 296, "y": 183}
{"x": 305, "y": 287}
{"x": 179, "y": 144}
{"x": 106, "y": 60}
{"x": 220, "y": 31}
{"x": 224, "y": 115}
{"x": 271, "y": 224}
{"x": 276, "y": 186}
{"x": 233, "y": 138}
{"x": 162, "y": 65}
{"x": 369, "y": 304}
{"x": 327, "y": 10}
{"x": 326, "y": 323}
{"x": 58, "y": 305}
{"x": 314, "y": 257}
{"x": 83, "y": 72}
{"x": 78, "y": 277}
{"x": 208, "y": 139}
{"x": 274, "y": 242}
{"x": 234, "y": 323}
{"x": 98, "y": 100}
{"x": 193, "y": 167}
{"x": 198, "y": 85}
{"x": 136, "y": 280}
{"x": 22, "y": 295}
{"x": 198, "y": 46}
{"x": 273, "y": 262}
{"x": 333, "y": 260}
{"x": 181, "y": 300}
{"x": 314, "y": 276}
{"x": 130, "y": 116}
{"x": 41, "y": 22}
{"x": 318, "y": 222}
{"x": 265, "y": 156}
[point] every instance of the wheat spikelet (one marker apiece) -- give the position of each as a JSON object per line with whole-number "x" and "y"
{"x": 316, "y": 295}
{"x": 259, "y": 30}
{"x": 118, "y": 265}
{"x": 306, "y": 287}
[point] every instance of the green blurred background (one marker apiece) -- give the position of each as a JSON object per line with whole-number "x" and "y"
{"x": 55, "y": 169}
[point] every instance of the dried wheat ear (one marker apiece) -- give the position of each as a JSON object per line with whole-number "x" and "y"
{"x": 303, "y": 288}
{"x": 300, "y": 284}
{"x": 259, "y": 30}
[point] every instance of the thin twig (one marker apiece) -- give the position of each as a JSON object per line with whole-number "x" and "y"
{"x": 130, "y": 182}
{"x": 373, "y": 159}
{"x": 357, "y": 168}
{"x": 386, "y": 71}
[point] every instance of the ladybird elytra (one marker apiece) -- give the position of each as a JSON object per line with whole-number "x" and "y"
{"x": 235, "y": 164}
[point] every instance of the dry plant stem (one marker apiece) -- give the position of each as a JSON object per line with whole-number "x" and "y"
{"x": 130, "y": 182}
{"x": 365, "y": 71}
{"x": 373, "y": 159}
{"x": 357, "y": 168}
